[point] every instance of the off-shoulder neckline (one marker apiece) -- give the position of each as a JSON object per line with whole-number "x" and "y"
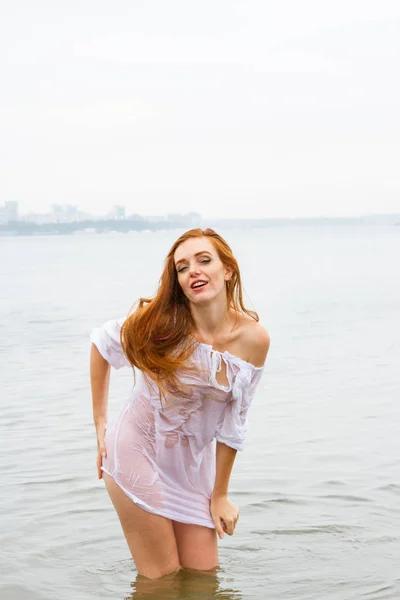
{"x": 226, "y": 353}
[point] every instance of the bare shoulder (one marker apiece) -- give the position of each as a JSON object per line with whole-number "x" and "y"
{"x": 256, "y": 341}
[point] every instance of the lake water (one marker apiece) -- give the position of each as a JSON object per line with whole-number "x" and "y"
{"x": 318, "y": 483}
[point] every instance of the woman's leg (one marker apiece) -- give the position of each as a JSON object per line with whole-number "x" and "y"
{"x": 150, "y": 537}
{"x": 197, "y": 546}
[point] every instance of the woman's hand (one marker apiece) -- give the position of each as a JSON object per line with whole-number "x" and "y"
{"x": 224, "y": 513}
{"x": 101, "y": 448}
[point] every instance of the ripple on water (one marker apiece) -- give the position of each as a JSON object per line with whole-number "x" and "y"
{"x": 392, "y": 488}
{"x": 388, "y": 592}
{"x": 283, "y": 500}
{"x": 121, "y": 565}
{"x": 334, "y": 482}
{"x": 345, "y": 497}
{"x": 313, "y": 530}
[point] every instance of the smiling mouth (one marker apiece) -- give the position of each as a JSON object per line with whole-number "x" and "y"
{"x": 198, "y": 285}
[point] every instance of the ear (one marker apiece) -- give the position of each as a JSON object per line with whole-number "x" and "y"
{"x": 228, "y": 273}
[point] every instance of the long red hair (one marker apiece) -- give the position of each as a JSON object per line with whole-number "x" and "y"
{"x": 155, "y": 337}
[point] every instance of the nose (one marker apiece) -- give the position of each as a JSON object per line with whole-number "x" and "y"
{"x": 193, "y": 270}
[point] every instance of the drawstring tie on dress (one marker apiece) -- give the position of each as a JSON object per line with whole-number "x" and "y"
{"x": 216, "y": 366}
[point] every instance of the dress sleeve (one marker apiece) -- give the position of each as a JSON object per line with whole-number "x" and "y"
{"x": 107, "y": 341}
{"x": 232, "y": 427}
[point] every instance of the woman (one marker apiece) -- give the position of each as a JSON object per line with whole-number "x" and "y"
{"x": 200, "y": 355}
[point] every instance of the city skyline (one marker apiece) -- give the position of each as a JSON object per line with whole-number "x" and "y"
{"x": 68, "y": 211}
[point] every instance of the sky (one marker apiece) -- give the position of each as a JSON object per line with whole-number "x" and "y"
{"x": 252, "y": 108}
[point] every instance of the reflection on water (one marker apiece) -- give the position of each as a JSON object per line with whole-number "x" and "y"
{"x": 184, "y": 585}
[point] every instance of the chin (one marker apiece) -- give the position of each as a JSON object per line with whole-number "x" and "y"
{"x": 203, "y": 299}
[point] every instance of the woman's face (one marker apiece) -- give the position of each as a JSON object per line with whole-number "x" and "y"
{"x": 201, "y": 273}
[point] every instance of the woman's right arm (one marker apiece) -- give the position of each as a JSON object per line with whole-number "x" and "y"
{"x": 106, "y": 352}
{"x": 100, "y": 382}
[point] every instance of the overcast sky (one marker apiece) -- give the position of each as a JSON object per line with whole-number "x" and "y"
{"x": 250, "y": 108}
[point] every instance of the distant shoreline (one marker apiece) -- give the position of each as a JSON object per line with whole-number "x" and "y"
{"x": 24, "y": 228}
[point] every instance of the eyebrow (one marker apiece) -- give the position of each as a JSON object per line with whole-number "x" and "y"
{"x": 197, "y": 254}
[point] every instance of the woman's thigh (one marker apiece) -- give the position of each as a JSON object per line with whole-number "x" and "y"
{"x": 197, "y": 546}
{"x": 151, "y": 538}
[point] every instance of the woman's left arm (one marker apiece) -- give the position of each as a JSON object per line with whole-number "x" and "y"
{"x": 223, "y": 512}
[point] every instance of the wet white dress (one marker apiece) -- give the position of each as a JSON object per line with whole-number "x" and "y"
{"x": 163, "y": 456}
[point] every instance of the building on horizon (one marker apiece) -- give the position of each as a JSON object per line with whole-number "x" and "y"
{"x": 117, "y": 212}
{"x": 156, "y": 218}
{"x": 64, "y": 213}
{"x": 136, "y": 217}
{"x": 9, "y": 211}
{"x": 191, "y": 218}
{"x": 59, "y": 213}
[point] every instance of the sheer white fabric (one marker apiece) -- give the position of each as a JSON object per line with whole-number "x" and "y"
{"x": 163, "y": 455}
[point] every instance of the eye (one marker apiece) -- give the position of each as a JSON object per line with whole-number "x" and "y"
{"x": 205, "y": 260}
{"x": 181, "y": 269}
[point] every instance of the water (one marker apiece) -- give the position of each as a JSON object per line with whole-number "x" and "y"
{"x": 318, "y": 484}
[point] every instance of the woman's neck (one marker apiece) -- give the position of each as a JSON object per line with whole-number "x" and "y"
{"x": 211, "y": 321}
